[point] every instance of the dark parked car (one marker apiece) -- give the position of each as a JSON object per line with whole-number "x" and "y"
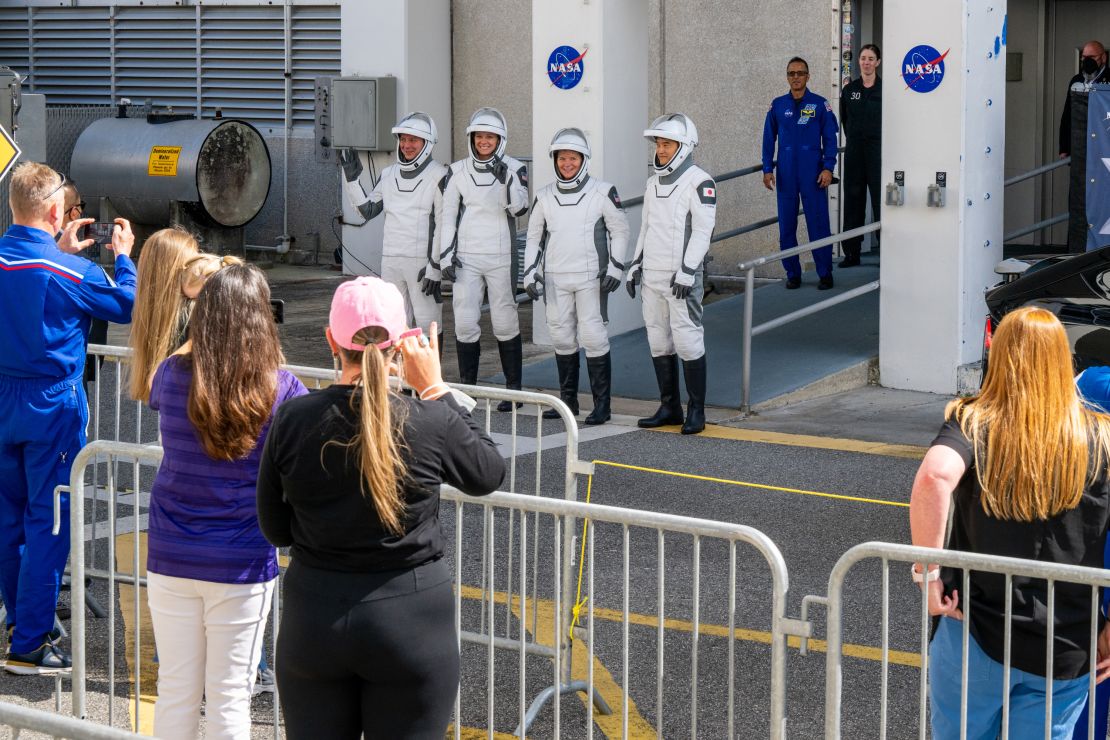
{"x": 1074, "y": 287}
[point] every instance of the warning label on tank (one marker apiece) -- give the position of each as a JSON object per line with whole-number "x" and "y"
{"x": 163, "y": 161}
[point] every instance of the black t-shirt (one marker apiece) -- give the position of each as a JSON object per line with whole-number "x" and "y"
{"x": 1075, "y": 537}
{"x": 309, "y": 494}
{"x": 861, "y": 110}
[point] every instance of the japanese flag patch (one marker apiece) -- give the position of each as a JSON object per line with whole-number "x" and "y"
{"x": 828, "y": 106}
{"x": 707, "y": 192}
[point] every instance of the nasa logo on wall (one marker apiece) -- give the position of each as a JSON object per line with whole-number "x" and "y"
{"x": 565, "y": 67}
{"x": 923, "y": 68}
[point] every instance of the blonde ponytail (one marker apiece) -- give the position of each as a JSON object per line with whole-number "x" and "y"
{"x": 379, "y": 449}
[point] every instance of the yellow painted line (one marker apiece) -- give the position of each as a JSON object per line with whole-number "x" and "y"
{"x": 865, "y": 652}
{"x": 475, "y": 733}
{"x": 715, "y": 431}
{"x": 746, "y": 484}
{"x": 148, "y": 692}
{"x": 604, "y": 683}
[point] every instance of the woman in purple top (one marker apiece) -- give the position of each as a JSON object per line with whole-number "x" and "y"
{"x": 211, "y": 573}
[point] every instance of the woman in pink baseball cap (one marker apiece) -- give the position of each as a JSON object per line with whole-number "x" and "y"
{"x": 350, "y": 481}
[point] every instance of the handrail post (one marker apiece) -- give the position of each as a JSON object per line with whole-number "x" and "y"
{"x": 746, "y": 359}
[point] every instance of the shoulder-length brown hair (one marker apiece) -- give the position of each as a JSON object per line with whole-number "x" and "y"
{"x": 1036, "y": 445}
{"x": 235, "y": 358}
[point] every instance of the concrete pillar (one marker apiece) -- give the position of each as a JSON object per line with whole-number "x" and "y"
{"x": 937, "y": 261}
{"x": 410, "y": 40}
{"x": 609, "y": 103}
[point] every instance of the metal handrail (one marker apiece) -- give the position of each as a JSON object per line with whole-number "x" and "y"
{"x": 1037, "y": 171}
{"x": 1048, "y": 222}
{"x": 749, "y": 301}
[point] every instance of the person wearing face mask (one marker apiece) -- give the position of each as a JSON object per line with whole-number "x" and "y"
{"x": 577, "y": 239}
{"x": 680, "y": 211}
{"x": 408, "y": 192}
{"x": 861, "y": 114}
{"x": 805, "y": 128}
{"x": 1092, "y": 71}
{"x": 483, "y": 195}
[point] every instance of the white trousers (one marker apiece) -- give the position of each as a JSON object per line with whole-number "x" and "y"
{"x": 421, "y": 309}
{"x": 209, "y": 640}
{"x": 673, "y": 325}
{"x": 494, "y": 273}
{"x": 574, "y": 313}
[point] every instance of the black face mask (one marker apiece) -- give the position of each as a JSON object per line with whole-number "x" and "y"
{"x": 1088, "y": 65}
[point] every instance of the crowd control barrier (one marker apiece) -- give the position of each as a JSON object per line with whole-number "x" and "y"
{"x": 887, "y": 553}
{"x": 18, "y": 719}
{"x": 523, "y": 627}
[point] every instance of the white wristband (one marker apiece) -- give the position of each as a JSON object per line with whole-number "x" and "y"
{"x": 441, "y": 387}
{"x": 919, "y": 577}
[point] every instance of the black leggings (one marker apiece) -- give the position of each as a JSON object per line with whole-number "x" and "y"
{"x": 367, "y": 654}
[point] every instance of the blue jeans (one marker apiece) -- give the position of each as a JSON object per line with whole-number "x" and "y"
{"x": 984, "y": 693}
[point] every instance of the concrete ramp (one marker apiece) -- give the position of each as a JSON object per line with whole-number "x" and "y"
{"x": 783, "y": 360}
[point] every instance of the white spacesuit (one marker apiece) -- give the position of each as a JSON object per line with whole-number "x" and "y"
{"x": 680, "y": 207}
{"x": 409, "y": 194}
{"x": 482, "y": 196}
{"x": 577, "y": 242}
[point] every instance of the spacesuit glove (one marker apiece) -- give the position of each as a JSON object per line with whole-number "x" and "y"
{"x": 681, "y": 285}
{"x": 500, "y": 170}
{"x": 430, "y": 283}
{"x": 610, "y": 284}
{"x": 450, "y": 272}
{"x": 534, "y": 288}
{"x": 631, "y": 282}
{"x": 352, "y": 165}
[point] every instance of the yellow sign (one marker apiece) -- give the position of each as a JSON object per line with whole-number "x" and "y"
{"x": 9, "y": 152}
{"x": 163, "y": 161}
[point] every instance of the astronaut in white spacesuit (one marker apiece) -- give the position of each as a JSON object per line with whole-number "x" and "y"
{"x": 409, "y": 194}
{"x": 680, "y": 207}
{"x": 483, "y": 195}
{"x": 577, "y": 243}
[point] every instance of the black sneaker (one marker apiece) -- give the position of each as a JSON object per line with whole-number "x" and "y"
{"x": 793, "y": 283}
{"x": 48, "y": 660}
{"x": 825, "y": 283}
{"x": 849, "y": 262}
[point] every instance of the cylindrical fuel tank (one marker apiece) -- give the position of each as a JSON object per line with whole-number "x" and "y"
{"x": 221, "y": 166}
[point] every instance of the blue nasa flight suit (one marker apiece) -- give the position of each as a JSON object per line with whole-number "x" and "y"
{"x": 47, "y": 300}
{"x": 806, "y": 131}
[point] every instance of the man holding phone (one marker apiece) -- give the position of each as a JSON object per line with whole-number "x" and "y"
{"x": 48, "y": 296}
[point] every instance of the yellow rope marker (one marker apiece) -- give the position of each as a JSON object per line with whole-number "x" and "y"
{"x": 579, "y": 602}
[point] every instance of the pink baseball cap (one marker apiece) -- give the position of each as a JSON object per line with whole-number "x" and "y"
{"x": 368, "y": 301}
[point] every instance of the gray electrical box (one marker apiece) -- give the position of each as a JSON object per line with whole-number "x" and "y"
{"x": 9, "y": 99}
{"x": 363, "y": 110}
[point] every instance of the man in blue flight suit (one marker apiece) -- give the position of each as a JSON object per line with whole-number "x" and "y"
{"x": 806, "y": 130}
{"x": 48, "y": 296}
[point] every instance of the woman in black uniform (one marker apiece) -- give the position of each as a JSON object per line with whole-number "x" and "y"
{"x": 861, "y": 116}
{"x": 350, "y": 480}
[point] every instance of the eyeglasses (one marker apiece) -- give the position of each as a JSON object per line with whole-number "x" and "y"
{"x": 80, "y": 205}
{"x": 61, "y": 185}
{"x": 796, "y": 73}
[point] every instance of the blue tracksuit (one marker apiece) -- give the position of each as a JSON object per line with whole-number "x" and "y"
{"x": 47, "y": 300}
{"x": 806, "y": 131}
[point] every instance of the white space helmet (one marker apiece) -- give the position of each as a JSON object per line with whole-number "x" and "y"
{"x": 676, "y": 127}
{"x": 574, "y": 140}
{"x": 422, "y": 126}
{"x": 490, "y": 121}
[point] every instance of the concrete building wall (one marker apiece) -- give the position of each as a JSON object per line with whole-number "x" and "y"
{"x": 721, "y": 65}
{"x": 491, "y": 66}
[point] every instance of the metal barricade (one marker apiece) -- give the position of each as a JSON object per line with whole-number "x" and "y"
{"x": 529, "y": 611}
{"x": 668, "y": 582}
{"x": 886, "y": 553}
{"x": 55, "y": 725}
